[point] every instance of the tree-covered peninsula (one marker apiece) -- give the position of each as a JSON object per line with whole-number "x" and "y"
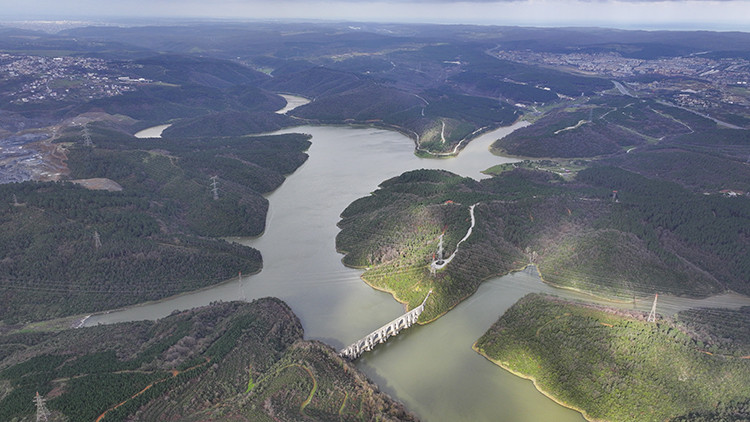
{"x": 227, "y": 361}
{"x": 613, "y": 365}
{"x": 649, "y": 236}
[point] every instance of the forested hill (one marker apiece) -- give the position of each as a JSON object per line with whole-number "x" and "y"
{"x": 68, "y": 250}
{"x": 226, "y": 361}
{"x": 613, "y": 365}
{"x": 646, "y": 240}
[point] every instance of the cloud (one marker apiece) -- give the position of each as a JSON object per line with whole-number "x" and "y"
{"x": 684, "y": 14}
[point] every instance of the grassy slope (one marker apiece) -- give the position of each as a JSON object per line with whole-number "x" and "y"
{"x": 610, "y": 365}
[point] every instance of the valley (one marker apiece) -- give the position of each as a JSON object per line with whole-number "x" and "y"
{"x": 308, "y": 158}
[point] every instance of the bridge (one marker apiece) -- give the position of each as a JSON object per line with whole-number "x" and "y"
{"x": 383, "y": 333}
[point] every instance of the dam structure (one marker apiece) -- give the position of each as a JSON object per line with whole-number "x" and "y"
{"x": 382, "y": 334}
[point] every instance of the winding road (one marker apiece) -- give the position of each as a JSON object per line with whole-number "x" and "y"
{"x": 445, "y": 261}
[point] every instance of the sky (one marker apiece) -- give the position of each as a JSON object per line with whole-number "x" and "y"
{"x": 670, "y": 14}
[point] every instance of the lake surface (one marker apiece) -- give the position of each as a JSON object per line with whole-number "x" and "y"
{"x": 292, "y": 102}
{"x": 152, "y": 132}
{"x": 432, "y": 368}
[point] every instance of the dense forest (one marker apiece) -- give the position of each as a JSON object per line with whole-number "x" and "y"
{"x": 228, "y": 360}
{"x": 613, "y": 365}
{"x": 69, "y": 250}
{"x": 642, "y": 241}
{"x": 600, "y": 126}
{"x": 229, "y": 124}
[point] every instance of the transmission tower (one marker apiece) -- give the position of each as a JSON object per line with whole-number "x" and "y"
{"x": 652, "y": 314}
{"x": 87, "y": 136}
{"x": 215, "y": 187}
{"x": 41, "y": 409}
{"x": 97, "y": 240}
{"x": 15, "y": 200}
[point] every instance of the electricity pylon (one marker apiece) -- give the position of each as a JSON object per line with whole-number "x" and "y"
{"x": 97, "y": 240}
{"x": 41, "y": 409}
{"x": 652, "y": 314}
{"x": 87, "y": 136}
{"x": 215, "y": 188}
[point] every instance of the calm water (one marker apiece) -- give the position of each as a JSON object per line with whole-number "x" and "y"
{"x": 292, "y": 102}
{"x": 432, "y": 368}
{"x": 152, "y": 132}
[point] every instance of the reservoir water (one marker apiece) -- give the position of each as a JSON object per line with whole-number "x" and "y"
{"x": 151, "y": 132}
{"x": 432, "y": 368}
{"x": 292, "y": 102}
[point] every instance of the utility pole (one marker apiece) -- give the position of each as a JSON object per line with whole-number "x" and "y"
{"x": 97, "y": 240}
{"x": 215, "y": 187}
{"x": 652, "y": 314}
{"x": 41, "y": 409}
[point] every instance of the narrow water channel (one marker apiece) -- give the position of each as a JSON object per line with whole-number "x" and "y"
{"x": 432, "y": 369}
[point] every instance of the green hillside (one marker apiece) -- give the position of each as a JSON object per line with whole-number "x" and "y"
{"x": 613, "y": 365}
{"x": 646, "y": 241}
{"x": 156, "y": 235}
{"x": 235, "y": 361}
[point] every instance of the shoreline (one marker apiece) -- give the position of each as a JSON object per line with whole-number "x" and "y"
{"x": 397, "y": 299}
{"x": 394, "y": 294}
{"x": 78, "y": 321}
{"x": 536, "y": 385}
{"x": 164, "y": 299}
{"x": 414, "y": 136}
